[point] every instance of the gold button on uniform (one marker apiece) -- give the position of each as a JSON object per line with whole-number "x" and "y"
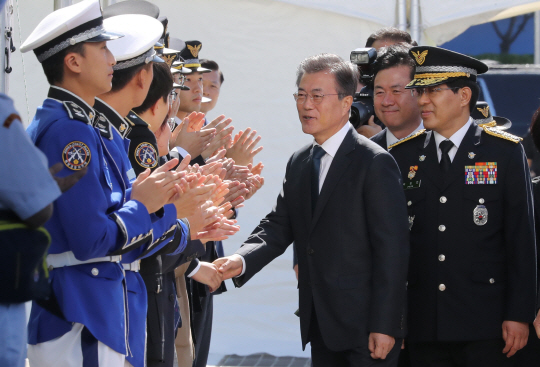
{"x": 442, "y": 257}
{"x": 442, "y": 199}
{"x": 442, "y": 228}
{"x": 409, "y": 203}
{"x": 481, "y": 201}
{"x": 491, "y": 280}
{"x": 442, "y": 287}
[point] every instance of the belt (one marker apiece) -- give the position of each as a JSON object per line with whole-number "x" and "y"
{"x": 134, "y": 266}
{"x": 68, "y": 259}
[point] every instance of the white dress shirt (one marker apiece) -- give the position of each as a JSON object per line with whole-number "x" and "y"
{"x": 391, "y": 138}
{"x": 457, "y": 138}
{"x": 330, "y": 146}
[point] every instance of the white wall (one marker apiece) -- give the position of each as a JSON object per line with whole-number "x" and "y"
{"x": 258, "y": 45}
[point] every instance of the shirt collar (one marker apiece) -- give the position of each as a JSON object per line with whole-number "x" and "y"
{"x": 113, "y": 116}
{"x": 391, "y": 138}
{"x": 457, "y": 137}
{"x": 331, "y": 145}
{"x": 62, "y": 95}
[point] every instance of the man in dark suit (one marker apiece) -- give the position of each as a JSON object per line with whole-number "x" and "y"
{"x": 472, "y": 272}
{"x": 394, "y": 105}
{"x": 343, "y": 207}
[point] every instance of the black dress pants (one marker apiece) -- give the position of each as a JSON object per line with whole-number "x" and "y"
{"x": 481, "y": 353}
{"x": 321, "y": 356}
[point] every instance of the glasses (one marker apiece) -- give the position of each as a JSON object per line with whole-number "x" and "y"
{"x": 429, "y": 91}
{"x": 300, "y": 98}
{"x": 172, "y": 97}
{"x": 172, "y": 123}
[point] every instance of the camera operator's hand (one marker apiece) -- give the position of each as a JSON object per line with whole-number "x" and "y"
{"x": 370, "y": 129}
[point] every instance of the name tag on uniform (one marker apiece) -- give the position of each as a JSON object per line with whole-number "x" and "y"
{"x": 411, "y": 184}
{"x": 482, "y": 173}
{"x": 131, "y": 174}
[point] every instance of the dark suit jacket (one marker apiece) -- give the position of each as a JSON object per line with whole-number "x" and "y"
{"x": 488, "y": 271}
{"x": 380, "y": 139}
{"x": 352, "y": 253}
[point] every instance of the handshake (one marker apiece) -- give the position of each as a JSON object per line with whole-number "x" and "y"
{"x": 212, "y": 274}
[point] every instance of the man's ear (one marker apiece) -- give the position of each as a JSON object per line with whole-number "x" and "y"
{"x": 73, "y": 62}
{"x": 465, "y": 95}
{"x": 346, "y": 102}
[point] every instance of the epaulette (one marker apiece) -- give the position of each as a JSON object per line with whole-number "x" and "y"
{"x": 412, "y": 136}
{"x": 501, "y": 134}
{"x": 135, "y": 119}
{"x": 488, "y": 124}
{"x": 75, "y": 112}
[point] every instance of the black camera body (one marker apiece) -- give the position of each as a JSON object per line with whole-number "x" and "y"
{"x": 362, "y": 107}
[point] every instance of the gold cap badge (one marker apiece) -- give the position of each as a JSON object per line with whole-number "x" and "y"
{"x": 194, "y": 50}
{"x": 484, "y": 111}
{"x": 420, "y": 57}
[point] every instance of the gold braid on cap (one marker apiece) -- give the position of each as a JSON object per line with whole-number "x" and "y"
{"x": 441, "y": 75}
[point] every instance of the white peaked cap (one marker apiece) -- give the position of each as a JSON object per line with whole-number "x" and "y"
{"x": 81, "y": 22}
{"x": 141, "y": 33}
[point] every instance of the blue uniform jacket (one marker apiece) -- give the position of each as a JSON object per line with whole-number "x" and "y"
{"x": 95, "y": 218}
{"x": 164, "y": 224}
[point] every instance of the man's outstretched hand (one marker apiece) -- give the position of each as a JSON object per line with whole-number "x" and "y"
{"x": 230, "y": 266}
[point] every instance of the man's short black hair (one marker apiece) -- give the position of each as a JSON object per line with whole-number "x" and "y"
{"x": 160, "y": 87}
{"x": 212, "y": 65}
{"x": 53, "y": 67}
{"x": 471, "y": 84}
{"x": 390, "y": 33}
{"x": 392, "y": 56}
{"x": 123, "y": 76}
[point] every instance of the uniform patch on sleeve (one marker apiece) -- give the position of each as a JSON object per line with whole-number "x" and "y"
{"x": 146, "y": 155}
{"x": 76, "y": 155}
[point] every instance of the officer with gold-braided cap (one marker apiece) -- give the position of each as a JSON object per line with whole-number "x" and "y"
{"x": 472, "y": 270}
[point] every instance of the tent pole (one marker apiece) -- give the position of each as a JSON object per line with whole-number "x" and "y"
{"x": 3, "y": 24}
{"x": 6, "y": 45}
{"x": 402, "y": 14}
{"x": 415, "y": 20}
{"x": 537, "y": 37}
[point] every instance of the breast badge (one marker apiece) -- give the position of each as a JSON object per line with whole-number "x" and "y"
{"x": 482, "y": 173}
{"x": 480, "y": 215}
{"x": 472, "y": 155}
{"x": 422, "y": 158}
{"x": 412, "y": 172}
{"x": 76, "y": 155}
{"x": 146, "y": 155}
{"x": 411, "y": 221}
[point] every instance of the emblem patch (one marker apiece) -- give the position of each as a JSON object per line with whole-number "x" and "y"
{"x": 484, "y": 111}
{"x": 422, "y": 158}
{"x": 472, "y": 155}
{"x": 482, "y": 173}
{"x": 194, "y": 50}
{"x": 146, "y": 155}
{"x": 480, "y": 215}
{"x": 412, "y": 172}
{"x": 76, "y": 155}
{"x": 420, "y": 57}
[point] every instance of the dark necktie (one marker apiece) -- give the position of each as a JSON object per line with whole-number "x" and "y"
{"x": 445, "y": 162}
{"x": 317, "y": 154}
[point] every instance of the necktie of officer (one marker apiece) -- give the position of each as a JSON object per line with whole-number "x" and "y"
{"x": 445, "y": 162}
{"x": 317, "y": 154}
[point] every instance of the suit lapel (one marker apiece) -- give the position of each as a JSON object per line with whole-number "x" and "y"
{"x": 468, "y": 145}
{"x": 339, "y": 165}
{"x": 430, "y": 162}
{"x": 305, "y": 186}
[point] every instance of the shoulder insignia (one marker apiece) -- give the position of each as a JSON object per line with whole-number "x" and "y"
{"x": 76, "y": 155}
{"x": 76, "y": 113}
{"x": 501, "y": 134}
{"x": 412, "y": 136}
{"x": 146, "y": 155}
{"x": 10, "y": 119}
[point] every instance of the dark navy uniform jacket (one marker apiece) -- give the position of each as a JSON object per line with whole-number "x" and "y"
{"x": 93, "y": 219}
{"x": 472, "y": 263}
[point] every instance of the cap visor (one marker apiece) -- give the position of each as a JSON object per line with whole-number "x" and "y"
{"x": 157, "y": 59}
{"x": 502, "y": 122}
{"x": 181, "y": 87}
{"x": 107, "y": 36}
{"x": 203, "y": 70}
{"x": 205, "y": 100}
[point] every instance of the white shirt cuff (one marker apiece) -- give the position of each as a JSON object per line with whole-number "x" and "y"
{"x": 195, "y": 270}
{"x": 243, "y": 266}
{"x": 182, "y": 151}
